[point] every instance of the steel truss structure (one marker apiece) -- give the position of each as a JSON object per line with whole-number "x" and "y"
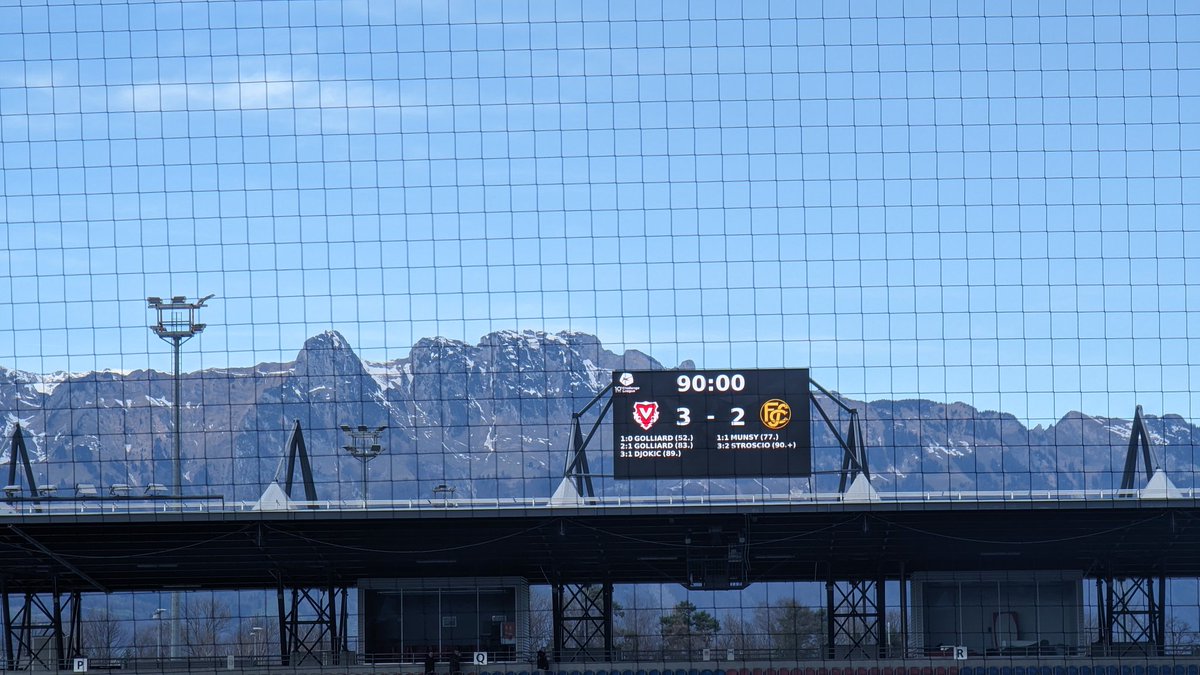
{"x": 1133, "y": 618}
{"x": 855, "y": 621}
{"x": 583, "y": 622}
{"x": 36, "y": 635}
{"x": 312, "y": 625}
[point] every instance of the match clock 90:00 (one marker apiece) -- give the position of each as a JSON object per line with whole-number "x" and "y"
{"x": 711, "y": 423}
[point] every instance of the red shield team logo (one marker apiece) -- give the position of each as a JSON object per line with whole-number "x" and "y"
{"x": 645, "y": 413}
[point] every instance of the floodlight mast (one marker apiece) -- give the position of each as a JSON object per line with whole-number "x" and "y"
{"x": 176, "y": 325}
{"x": 364, "y": 446}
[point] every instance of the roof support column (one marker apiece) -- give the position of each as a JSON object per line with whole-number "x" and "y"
{"x": 583, "y": 622}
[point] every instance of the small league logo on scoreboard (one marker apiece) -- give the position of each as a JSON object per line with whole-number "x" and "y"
{"x": 645, "y": 413}
{"x": 775, "y": 414}
{"x": 625, "y": 384}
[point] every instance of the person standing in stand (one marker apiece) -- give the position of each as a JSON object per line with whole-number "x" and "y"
{"x": 430, "y": 663}
{"x": 543, "y": 663}
{"x": 456, "y": 663}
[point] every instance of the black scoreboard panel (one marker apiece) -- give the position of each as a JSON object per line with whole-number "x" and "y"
{"x": 711, "y": 423}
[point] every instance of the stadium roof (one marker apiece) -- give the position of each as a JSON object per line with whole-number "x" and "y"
{"x": 99, "y": 550}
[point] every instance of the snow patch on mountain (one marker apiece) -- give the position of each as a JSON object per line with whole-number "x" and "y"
{"x": 46, "y": 384}
{"x": 955, "y": 448}
{"x": 595, "y": 375}
{"x": 389, "y": 375}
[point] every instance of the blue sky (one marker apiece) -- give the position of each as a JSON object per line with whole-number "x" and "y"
{"x": 989, "y": 202}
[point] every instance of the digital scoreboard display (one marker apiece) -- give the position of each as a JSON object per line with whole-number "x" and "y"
{"x": 711, "y": 423}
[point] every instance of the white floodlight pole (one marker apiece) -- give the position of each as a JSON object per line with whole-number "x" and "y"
{"x": 364, "y": 446}
{"x": 176, "y": 325}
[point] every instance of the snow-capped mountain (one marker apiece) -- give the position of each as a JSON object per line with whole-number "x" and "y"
{"x": 493, "y": 420}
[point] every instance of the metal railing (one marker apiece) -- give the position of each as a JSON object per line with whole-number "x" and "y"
{"x": 51, "y": 506}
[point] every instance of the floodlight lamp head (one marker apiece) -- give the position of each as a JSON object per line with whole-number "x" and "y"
{"x": 346, "y": 428}
{"x": 153, "y": 300}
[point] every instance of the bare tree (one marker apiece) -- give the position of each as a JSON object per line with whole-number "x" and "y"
{"x": 638, "y": 626}
{"x": 740, "y": 635}
{"x": 145, "y": 643}
{"x": 207, "y": 625}
{"x": 103, "y": 636}
{"x": 541, "y": 620}
{"x": 257, "y": 636}
{"x": 1180, "y": 637}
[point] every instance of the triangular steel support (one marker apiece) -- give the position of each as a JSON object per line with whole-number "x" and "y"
{"x": 1139, "y": 439}
{"x": 577, "y": 469}
{"x": 297, "y": 449}
{"x": 19, "y": 452}
{"x": 853, "y": 443}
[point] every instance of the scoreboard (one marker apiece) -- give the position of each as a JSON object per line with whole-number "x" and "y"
{"x": 711, "y": 423}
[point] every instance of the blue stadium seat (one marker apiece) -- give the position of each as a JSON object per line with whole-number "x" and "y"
{"x": 1193, "y": 669}
{"x": 993, "y": 670}
{"x": 1006, "y": 670}
{"x": 706, "y": 672}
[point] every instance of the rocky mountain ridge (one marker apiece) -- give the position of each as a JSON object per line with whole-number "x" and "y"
{"x": 493, "y": 419}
